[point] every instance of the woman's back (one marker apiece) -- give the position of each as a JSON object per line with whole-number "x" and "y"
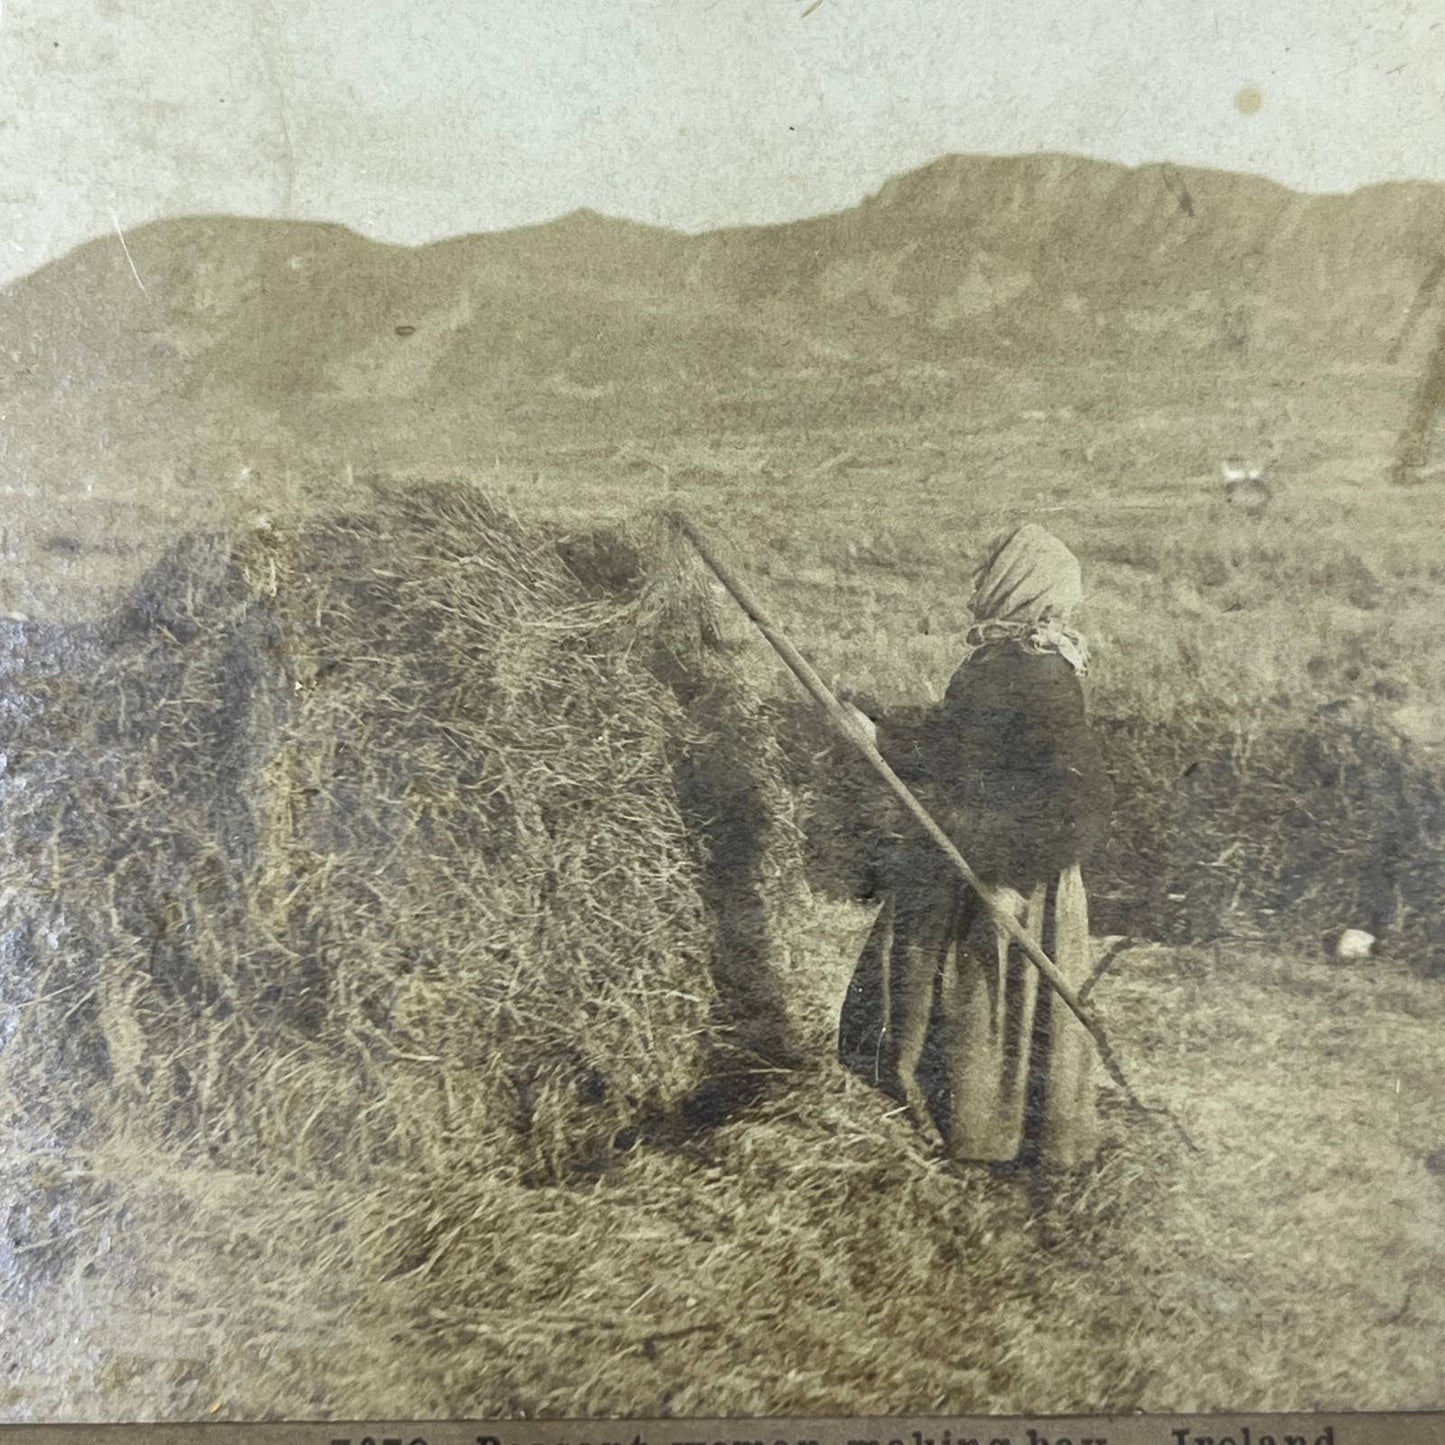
{"x": 1010, "y": 764}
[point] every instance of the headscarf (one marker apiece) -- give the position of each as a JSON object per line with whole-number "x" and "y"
{"x": 1024, "y": 592}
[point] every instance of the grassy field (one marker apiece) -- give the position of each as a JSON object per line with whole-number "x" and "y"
{"x": 807, "y": 1255}
{"x": 862, "y": 526}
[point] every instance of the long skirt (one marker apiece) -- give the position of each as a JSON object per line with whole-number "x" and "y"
{"x": 947, "y": 1014}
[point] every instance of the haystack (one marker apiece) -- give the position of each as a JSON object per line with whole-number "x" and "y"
{"x": 1275, "y": 830}
{"x": 416, "y": 835}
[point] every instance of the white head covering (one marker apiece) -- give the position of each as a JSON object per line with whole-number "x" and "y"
{"x": 1024, "y": 591}
{"x": 1026, "y": 575}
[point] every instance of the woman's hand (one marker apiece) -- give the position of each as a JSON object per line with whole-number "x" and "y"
{"x": 864, "y": 723}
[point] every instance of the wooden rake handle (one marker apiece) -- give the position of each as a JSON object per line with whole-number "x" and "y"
{"x": 847, "y": 726}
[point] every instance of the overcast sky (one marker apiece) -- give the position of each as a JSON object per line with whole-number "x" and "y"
{"x": 412, "y": 119}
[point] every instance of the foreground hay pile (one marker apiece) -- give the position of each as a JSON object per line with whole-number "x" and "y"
{"x": 413, "y": 835}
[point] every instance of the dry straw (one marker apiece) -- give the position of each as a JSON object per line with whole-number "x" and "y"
{"x": 413, "y": 835}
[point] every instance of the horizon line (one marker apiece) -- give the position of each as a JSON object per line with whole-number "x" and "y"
{"x": 868, "y": 197}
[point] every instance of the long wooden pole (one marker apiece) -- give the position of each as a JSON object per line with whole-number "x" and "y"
{"x": 847, "y": 725}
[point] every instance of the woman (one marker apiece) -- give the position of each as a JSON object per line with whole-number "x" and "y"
{"x": 943, "y": 1011}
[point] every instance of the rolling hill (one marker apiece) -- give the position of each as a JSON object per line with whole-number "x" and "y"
{"x": 204, "y": 342}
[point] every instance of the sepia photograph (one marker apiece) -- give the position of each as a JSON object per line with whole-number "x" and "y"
{"x": 721, "y": 711}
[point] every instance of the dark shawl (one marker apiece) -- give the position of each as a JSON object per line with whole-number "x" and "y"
{"x": 1009, "y": 767}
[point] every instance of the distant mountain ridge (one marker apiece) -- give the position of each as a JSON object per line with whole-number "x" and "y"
{"x": 199, "y": 332}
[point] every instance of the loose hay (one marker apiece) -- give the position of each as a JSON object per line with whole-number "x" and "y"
{"x": 410, "y": 835}
{"x": 1274, "y": 832}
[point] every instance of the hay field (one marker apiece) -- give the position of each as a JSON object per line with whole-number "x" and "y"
{"x": 802, "y": 1254}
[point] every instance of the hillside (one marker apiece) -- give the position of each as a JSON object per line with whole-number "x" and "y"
{"x": 1075, "y": 256}
{"x": 211, "y": 342}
